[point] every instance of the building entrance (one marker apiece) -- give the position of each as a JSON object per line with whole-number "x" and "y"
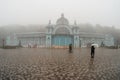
{"x": 62, "y": 41}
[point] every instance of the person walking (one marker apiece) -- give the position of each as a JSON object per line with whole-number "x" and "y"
{"x": 92, "y": 51}
{"x": 70, "y": 48}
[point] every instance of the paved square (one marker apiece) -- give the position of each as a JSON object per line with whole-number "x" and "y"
{"x": 58, "y": 64}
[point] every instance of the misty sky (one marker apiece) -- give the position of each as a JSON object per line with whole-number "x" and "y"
{"x": 104, "y": 12}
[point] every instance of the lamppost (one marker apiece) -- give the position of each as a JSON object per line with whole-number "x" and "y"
{"x": 19, "y": 43}
{"x": 80, "y": 43}
{"x": 3, "y": 43}
{"x": 76, "y": 42}
{"x": 117, "y": 44}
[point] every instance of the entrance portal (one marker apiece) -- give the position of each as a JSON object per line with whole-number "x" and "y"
{"x": 62, "y": 41}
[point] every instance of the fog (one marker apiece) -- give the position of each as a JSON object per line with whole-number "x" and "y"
{"x": 26, "y": 12}
{"x": 92, "y": 16}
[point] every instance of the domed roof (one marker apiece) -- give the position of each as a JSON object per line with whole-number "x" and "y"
{"x": 62, "y": 20}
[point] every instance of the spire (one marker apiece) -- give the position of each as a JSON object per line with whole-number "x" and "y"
{"x": 49, "y": 24}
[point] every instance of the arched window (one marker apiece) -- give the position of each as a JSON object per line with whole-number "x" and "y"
{"x": 62, "y": 30}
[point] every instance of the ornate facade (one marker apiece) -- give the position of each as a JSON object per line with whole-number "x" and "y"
{"x": 60, "y": 35}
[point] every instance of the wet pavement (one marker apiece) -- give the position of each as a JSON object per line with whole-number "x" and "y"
{"x": 58, "y": 64}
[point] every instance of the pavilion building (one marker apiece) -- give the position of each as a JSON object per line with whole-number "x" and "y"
{"x": 60, "y": 35}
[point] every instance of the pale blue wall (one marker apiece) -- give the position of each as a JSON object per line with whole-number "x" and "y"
{"x": 109, "y": 40}
{"x": 12, "y": 41}
{"x": 62, "y": 40}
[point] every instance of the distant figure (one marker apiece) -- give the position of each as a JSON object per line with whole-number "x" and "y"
{"x": 70, "y": 48}
{"x": 92, "y": 51}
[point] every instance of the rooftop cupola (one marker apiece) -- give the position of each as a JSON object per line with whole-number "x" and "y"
{"x": 62, "y": 20}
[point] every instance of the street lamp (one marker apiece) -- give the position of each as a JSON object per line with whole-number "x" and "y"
{"x": 19, "y": 43}
{"x": 3, "y": 43}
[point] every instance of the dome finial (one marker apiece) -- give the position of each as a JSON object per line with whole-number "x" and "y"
{"x": 62, "y": 20}
{"x": 62, "y": 15}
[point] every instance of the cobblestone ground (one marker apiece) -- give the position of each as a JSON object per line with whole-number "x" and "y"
{"x": 58, "y": 64}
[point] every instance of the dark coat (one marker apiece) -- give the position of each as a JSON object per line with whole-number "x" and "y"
{"x": 92, "y": 49}
{"x": 70, "y": 47}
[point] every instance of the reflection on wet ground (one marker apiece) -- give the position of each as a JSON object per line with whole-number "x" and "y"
{"x": 58, "y": 64}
